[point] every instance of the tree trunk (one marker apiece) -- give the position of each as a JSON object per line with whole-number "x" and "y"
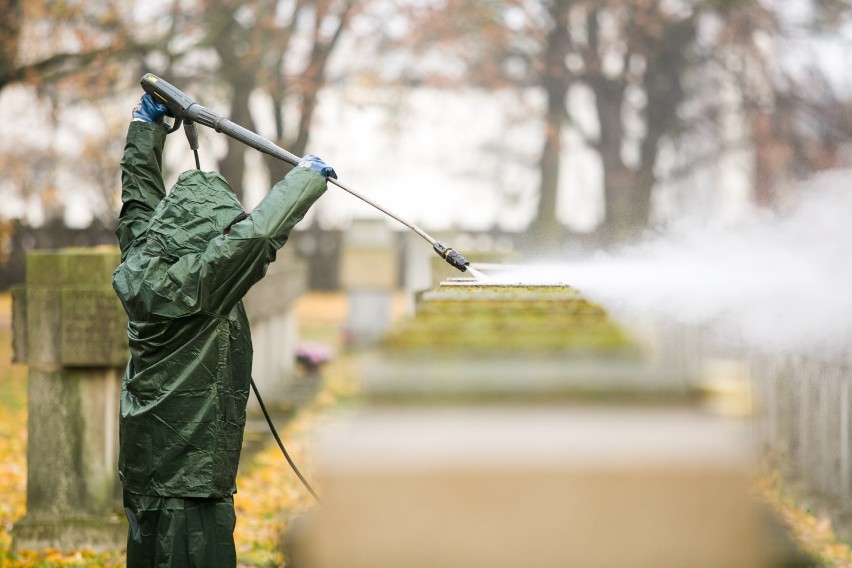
{"x": 233, "y": 165}
{"x": 546, "y": 233}
{"x": 619, "y": 180}
{"x": 313, "y": 80}
{"x": 10, "y": 30}
{"x": 620, "y": 222}
{"x": 628, "y": 190}
{"x": 546, "y": 230}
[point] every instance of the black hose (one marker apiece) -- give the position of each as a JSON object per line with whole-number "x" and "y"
{"x": 281, "y": 444}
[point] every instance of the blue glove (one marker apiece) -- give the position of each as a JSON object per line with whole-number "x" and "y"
{"x": 311, "y": 162}
{"x": 148, "y": 110}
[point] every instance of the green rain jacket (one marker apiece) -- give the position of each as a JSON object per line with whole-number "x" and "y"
{"x": 181, "y": 280}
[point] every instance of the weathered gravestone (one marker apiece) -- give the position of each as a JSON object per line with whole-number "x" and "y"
{"x": 69, "y": 328}
{"x": 369, "y": 274}
{"x": 270, "y": 306}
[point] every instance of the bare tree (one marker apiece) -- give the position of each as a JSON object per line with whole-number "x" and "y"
{"x": 252, "y": 44}
{"x": 649, "y": 65}
{"x": 45, "y": 42}
{"x": 66, "y": 54}
{"x": 78, "y": 53}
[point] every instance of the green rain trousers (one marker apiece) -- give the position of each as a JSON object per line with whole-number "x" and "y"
{"x": 172, "y": 531}
{"x": 181, "y": 281}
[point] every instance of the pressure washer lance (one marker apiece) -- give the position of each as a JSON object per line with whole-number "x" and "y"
{"x": 185, "y": 110}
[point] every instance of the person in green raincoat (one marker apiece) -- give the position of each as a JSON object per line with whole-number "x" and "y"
{"x": 187, "y": 260}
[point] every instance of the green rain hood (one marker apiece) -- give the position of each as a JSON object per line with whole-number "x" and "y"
{"x": 181, "y": 280}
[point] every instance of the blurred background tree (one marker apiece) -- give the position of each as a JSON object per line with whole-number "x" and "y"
{"x": 78, "y": 54}
{"x": 77, "y": 62}
{"x": 276, "y": 49}
{"x": 662, "y": 75}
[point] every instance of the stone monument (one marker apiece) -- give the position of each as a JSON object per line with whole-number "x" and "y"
{"x": 70, "y": 329}
{"x": 369, "y": 274}
{"x": 270, "y": 306}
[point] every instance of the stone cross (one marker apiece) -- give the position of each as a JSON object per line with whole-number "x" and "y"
{"x": 69, "y": 328}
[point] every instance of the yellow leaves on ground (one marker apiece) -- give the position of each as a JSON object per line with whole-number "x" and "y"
{"x": 814, "y": 534}
{"x": 13, "y": 435}
{"x": 270, "y": 494}
{"x": 70, "y": 559}
{"x": 13, "y": 473}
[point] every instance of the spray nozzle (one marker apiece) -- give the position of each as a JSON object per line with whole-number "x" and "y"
{"x": 452, "y": 257}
